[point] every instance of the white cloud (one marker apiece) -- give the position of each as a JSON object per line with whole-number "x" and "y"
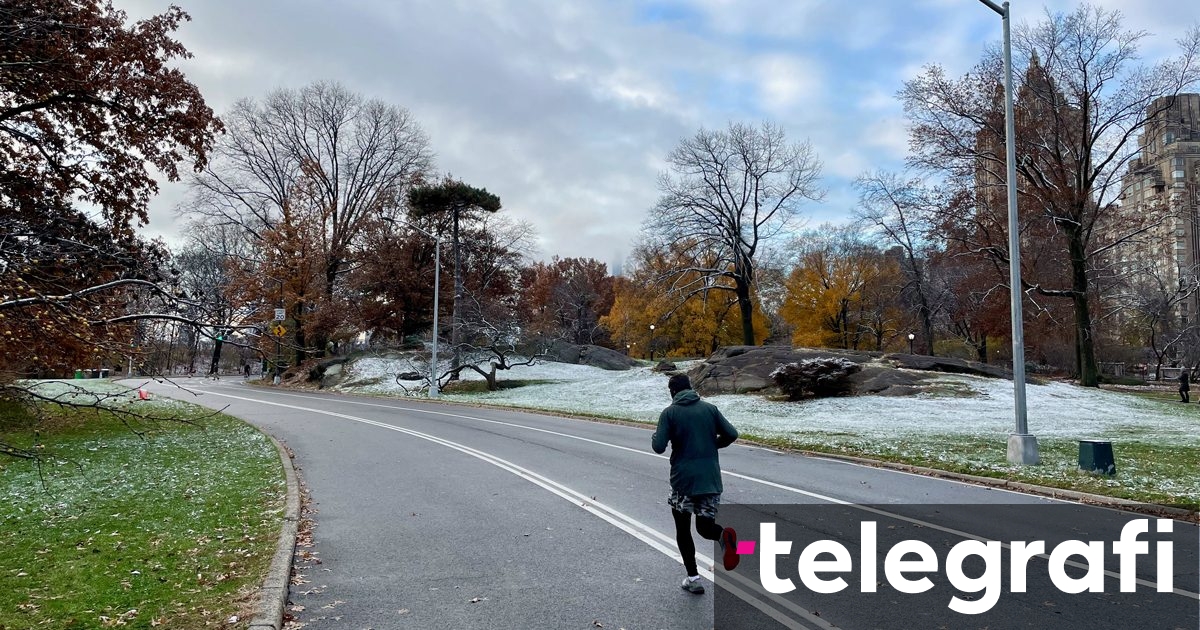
{"x": 787, "y": 82}
{"x": 566, "y": 109}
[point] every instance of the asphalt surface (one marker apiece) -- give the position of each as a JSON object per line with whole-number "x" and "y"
{"x": 433, "y": 516}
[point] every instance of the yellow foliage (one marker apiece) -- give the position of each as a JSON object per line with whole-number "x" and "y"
{"x": 697, "y": 327}
{"x": 843, "y": 298}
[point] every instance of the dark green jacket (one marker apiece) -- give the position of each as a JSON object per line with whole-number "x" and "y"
{"x": 695, "y": 429}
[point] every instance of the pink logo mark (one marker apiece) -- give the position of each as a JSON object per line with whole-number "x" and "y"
{"x": 745, "y": 547}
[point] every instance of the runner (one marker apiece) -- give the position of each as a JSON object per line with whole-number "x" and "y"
{"x": 695, "y": 429}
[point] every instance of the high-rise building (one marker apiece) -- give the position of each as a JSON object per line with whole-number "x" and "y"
{"x": 1163, "y": 181}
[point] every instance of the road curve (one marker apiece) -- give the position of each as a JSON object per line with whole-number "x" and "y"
{"x": 432, "y": 515}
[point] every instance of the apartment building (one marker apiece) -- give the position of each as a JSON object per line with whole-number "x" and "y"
{"x": 1163, "y": 181}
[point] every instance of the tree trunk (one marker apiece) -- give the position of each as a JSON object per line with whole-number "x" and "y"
{"x": 321, "y": 337}
{"x": 923, "y": 311}
{"x": 215, "y": 366}
{"x": 491, "y": 379}
{"x": 1089, "y": 373}
{"x": 927, "y": 326}
{"x": 747, "y": 309}
{"x": 300, "y": 337}
{"x": 456, "y": 327}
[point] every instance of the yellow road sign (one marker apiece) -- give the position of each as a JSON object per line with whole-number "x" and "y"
{"x": 279, "y": 330}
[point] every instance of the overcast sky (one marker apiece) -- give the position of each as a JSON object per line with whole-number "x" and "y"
{"x": 566, "y": 109}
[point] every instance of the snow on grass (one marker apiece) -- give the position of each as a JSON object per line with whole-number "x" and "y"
{"x": 968, "y": 406}
{"x": 97, "y": 392}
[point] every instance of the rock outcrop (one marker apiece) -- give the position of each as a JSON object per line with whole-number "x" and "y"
{"x": 596, "y": 356}
{"x": 741, "y": 369}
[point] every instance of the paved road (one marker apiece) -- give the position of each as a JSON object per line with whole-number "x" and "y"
{"x": 441, "y": 516}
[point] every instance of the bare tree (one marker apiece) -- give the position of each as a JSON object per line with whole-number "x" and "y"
{"x": 351, "y": 158}
{"x": 208, "y": 264}
{"x": 900, "y": 211}
{"x": 1148, "y": 307}
{"x": 1084, "y": 100}
{"x": 493, "y": 331}
{"x": 725, "y": 193}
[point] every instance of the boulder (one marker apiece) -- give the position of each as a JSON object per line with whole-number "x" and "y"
{"x": 328, "y": 372}
{"x": 948, "y": 365}
{"x": 665, "y": 366}
{"x": 886, "y": 381}
{"x": 596, "y": 356}
{"x": 741, "y": 369}
{"x": 563, "y": 352}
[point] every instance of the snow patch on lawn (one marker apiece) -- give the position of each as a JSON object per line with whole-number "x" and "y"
{"x": 1055, "y": 410}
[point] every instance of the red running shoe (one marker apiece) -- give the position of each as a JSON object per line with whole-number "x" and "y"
{"x": 730, "y": 557}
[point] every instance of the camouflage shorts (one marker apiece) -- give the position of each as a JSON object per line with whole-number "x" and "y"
{"x": 701, "y": 504}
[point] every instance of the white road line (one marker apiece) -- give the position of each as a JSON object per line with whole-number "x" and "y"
{"x": 620, "y": 520}
{"x": 822, "y": 497}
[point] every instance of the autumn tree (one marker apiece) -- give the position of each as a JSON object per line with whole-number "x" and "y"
{"x": 91, "y": 108}
{"x": 1084, "y": 100}
{"x": 843, "y": 292}
{"x": 395, "y": 286}
{"x": 567, "y": 296}
{"x": 89, "y": 105}
{"x": 976, "y": 308}
{"x": 697, "y": 326}
{"x": 725, "y": 193}
{"x": 321, "y": 154}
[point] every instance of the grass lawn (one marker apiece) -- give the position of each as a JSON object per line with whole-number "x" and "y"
{"x": 173, "y": 530}
{"x": 1148, "y": 472}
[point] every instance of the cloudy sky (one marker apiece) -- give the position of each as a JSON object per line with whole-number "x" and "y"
{"x": 567, "y": 108}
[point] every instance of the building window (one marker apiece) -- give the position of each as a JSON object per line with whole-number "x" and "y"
{"x": 1169, "y": 137}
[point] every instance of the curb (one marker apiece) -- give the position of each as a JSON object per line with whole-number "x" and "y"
{"x": 274, "y": 591}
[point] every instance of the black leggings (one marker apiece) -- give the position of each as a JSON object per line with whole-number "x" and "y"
{"x": 707, "y": 528}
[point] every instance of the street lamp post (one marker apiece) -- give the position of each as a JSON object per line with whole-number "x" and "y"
{"x": 1022, "y": 446}
{"x": 910, "y": 340}
{"x": 437, "y": 290}
{"x": 651, "y": 342}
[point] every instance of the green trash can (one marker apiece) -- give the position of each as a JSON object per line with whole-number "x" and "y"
{"x": 1096, "y": 456}
{"x": 79, "y": 374}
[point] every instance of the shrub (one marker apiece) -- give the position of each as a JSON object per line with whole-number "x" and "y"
{"x": 820, "y": 377}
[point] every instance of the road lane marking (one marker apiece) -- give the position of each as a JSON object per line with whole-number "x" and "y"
{"x": 620, "y": 520}
{"x": 815, "y": 495}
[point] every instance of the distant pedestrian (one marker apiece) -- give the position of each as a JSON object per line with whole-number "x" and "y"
{"x": 246, "y": 370}
{"x": 1183, "y": 385}
{"x": 695, "y": 429}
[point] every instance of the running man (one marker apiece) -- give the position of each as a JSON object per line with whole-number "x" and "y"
{"x": 695, "y": 429}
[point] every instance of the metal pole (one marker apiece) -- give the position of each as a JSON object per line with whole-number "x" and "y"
{"x": 275, "y": 379}
{"x": 437, "y": 291}
{"x": 437, "y": 284}
{"x": 1022, "y": 447}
